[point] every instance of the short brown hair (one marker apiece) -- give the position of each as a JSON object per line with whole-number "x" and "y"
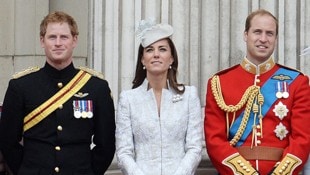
{"x": 259, "y": 12}
{"x": 58, "y": 17}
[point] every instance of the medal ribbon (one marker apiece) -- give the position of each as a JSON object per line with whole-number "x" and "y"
{"x": 268, "y": 92}
{"x": 64, "y": 94}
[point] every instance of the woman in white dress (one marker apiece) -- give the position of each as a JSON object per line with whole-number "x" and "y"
{"x": 158, "y": 124}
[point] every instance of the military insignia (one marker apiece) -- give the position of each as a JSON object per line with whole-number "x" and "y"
{"x": 26, "y": 72}
{"x": 282, "y": 89}
{"x": 247, "y": 67}
{"x": 83, "y": 109}
{"x": 92, "y": 72}
{"x": 81, "y": 95}
{"x": 280, "y": 110}
{"x": 281, "y": 131}
{"x": 281, "y": 77}
{"x": 267, "y": 66}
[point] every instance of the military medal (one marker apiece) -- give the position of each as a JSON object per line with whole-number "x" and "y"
{"x": 82, "y": 109}
{"x": 89, "y": 109}
{"x": 285, "y": 90}
{"x": 281, "y": 131}
{"x": 84, "y": 114}
{"x": 76, "y": 109}
{"x": 77, "y": 114}
{"x": 280, "y": 110}
{"x": 89, "y": 114}
{"x": 279, "y": 93}
{"x": 282, "y": 90}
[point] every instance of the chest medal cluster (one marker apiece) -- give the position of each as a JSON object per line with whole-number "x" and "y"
{"x": 280, "y": 110}
{"x": 83, "y": 109}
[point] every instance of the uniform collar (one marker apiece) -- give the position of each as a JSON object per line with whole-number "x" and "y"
{"x": 68, "y": 71}
{"x": 259, "y": 69}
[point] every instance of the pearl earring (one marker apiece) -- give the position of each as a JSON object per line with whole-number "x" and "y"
{"x": 143, "y": 67}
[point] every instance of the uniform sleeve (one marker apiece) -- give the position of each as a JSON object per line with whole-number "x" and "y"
{"x": 11, "y": 127}
{"x": 218, "y": 148}
{"x": 104, "y": 134}
{"x": 193, "y": 140}
{"x": 124, "y": 139}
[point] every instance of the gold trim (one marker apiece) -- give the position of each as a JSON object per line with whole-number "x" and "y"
{"x": 247, "y": 100}
{"x": 257, "y": 69}
{"x": 92, "y": 72}
{"x": 287, "y": 166}
{"x": 25, "y": 72}
{"x": 239, "y": 165}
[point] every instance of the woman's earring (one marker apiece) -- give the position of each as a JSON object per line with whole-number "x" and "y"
{"x": 170, "y": 67}
{"x": 143, "y": 67}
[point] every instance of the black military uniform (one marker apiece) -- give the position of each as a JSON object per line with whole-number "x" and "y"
{"x": 61, "y": 142}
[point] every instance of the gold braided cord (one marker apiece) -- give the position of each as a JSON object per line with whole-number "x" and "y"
{"x": 217, "y": 92}
{"x": 247, "y": 98}
{"x": 244, "y": 120}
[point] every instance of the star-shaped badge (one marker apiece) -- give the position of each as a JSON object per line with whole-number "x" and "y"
{"x": 280, "y": 110}
{"x": 281, "y": 131}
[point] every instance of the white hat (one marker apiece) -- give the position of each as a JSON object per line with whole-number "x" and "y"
{"x": 149, "y": 32}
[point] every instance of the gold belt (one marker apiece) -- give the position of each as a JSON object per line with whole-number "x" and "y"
{"x": 260, "y": 153}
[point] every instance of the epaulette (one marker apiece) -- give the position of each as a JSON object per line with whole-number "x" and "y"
{"x": 226, "y": 70}
{"x": 92, "y": 72}
{"x": 290, "y": 68}
{"x": 25, "y": 72}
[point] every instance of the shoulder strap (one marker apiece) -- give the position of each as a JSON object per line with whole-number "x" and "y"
{"x": 56, "y": 100}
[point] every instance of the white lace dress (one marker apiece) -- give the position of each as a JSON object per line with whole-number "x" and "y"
{"x": 147, "y": 144}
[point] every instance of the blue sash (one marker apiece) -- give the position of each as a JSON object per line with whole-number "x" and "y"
{"x": 268, "y": 91}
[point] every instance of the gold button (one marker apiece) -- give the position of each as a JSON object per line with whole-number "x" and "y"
{"x": 60, "y": 85}
{"x": 258, "y": 134}
{"x": 57, "y": 148}
{"x": 57, "y": 169}
{"x": 257, "y": 80}
{"x": 258, "y": 142}
{"x": 59, "y": 128}
{"x": 61, "y": 106}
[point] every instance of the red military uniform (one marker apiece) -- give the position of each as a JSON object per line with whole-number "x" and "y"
{"x": 280, "y": 140}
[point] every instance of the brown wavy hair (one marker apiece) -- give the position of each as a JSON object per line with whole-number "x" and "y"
{"x": 140, "y": 74}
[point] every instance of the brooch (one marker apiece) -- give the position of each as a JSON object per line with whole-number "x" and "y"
{"x": 280, "y": 110}
{"x": 281, "y": 131}
{"x": 176, "y": 98}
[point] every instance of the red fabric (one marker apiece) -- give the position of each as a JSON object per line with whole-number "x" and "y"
{"x": 234, "y": 82}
